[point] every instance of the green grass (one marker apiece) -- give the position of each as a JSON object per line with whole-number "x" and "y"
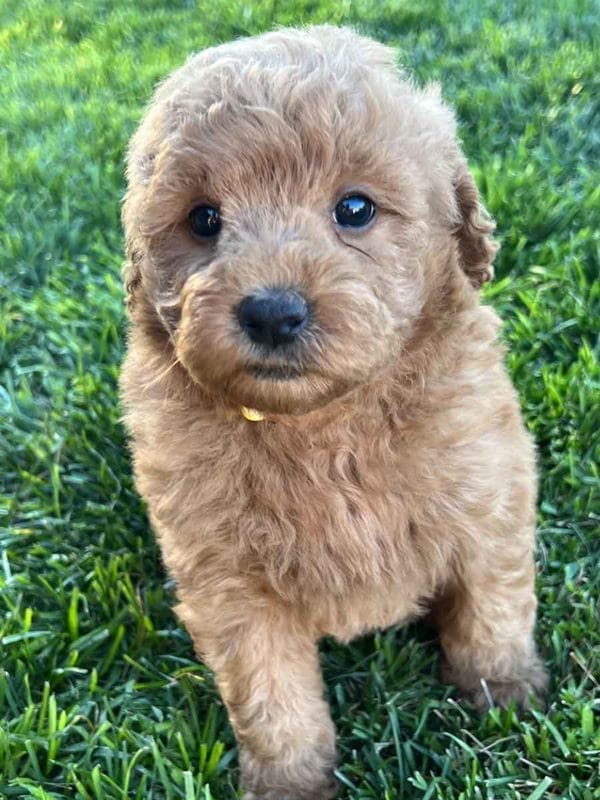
{"x": 100, "y": 694}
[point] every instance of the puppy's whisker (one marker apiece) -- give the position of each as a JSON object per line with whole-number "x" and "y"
{"x": 163, "y": 374}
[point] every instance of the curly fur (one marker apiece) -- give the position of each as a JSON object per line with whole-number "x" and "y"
{"x": 395, "y": 475}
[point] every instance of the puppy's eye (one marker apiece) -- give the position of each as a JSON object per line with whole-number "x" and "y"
{"x": 205, "y": 221}
{"x": 354, "y": 211}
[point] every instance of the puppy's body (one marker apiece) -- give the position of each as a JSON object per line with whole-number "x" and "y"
{"x": 394, "y": 474}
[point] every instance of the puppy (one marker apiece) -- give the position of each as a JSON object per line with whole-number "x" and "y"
{"x": 320, "y": 418}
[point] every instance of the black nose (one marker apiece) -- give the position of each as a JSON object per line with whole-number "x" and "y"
{"x": 274, "y": 317}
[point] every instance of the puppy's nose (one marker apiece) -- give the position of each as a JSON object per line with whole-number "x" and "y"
{"x": 274, "y": 317}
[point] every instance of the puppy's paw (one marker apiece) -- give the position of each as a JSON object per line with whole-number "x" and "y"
{"x": 524, "y": 689}
{"x": 325, "y": 792}
{"x": 306, "y": 777}
{"x": 502, "y": 693}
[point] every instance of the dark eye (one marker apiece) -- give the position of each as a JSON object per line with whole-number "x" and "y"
{"x": 205, "y": 221}
{"x": 354, "y": 211}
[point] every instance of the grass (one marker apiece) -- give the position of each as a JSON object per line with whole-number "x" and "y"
{"x": 100, "y": 694}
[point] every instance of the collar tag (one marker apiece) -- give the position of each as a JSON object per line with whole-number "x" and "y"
{"x": 251, "y": 414}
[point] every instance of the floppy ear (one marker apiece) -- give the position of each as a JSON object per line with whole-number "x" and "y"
{"x": 476, "y": 247}
{"x": 139, "y": 171}
{"x": 131, "y": 272}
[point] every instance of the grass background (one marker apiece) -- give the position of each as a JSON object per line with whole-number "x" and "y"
{"x": 100, "y": 695}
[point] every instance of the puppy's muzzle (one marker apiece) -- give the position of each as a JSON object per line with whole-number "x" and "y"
{"x": 274, "y": 317}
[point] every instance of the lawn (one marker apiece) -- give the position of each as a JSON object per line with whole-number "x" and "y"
{"x": 100, "y": 694}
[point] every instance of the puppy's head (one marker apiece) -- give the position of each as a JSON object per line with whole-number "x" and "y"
{"x": 293, "y": 205}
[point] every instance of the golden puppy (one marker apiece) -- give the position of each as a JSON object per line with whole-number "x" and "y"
{"x": 321, "y": 421}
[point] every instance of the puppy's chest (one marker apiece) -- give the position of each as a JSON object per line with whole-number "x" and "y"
{"x": 325, "y": 513}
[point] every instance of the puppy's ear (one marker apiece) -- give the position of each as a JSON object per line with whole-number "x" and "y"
{"x": 139, "y": 171}
{"x": 476, "y": 247}
{"x": 131, "y": 272}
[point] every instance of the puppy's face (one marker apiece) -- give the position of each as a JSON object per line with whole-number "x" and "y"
{"x": 292, "y": 205}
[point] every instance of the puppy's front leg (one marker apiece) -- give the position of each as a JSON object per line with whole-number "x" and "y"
{"x": 267, "y": 669}
{"x": 486, "y": 619}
